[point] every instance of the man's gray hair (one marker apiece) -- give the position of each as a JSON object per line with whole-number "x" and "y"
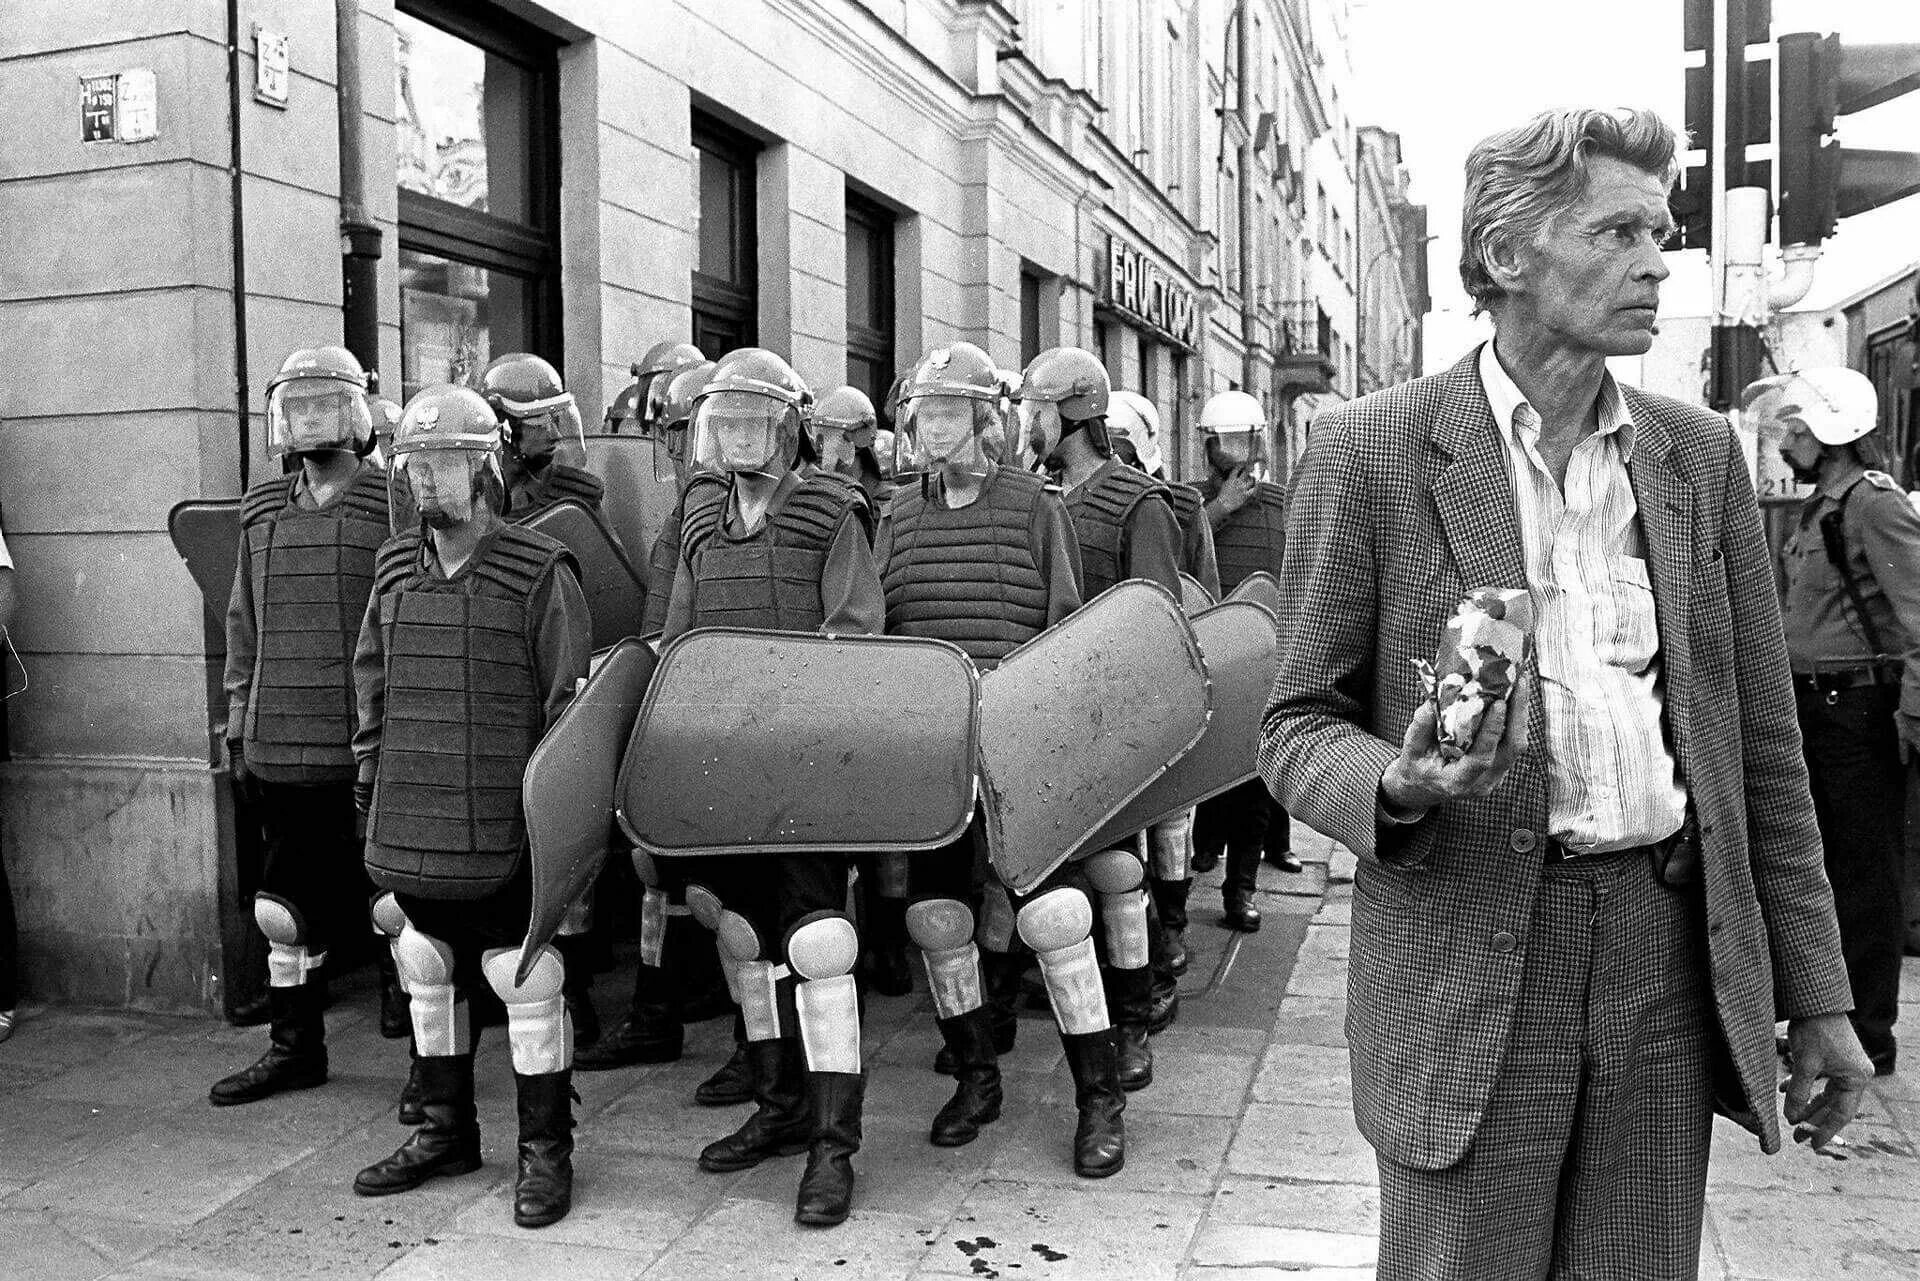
{"x": 1519, "y": 180}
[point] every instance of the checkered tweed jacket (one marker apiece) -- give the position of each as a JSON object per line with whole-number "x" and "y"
{"x": 1401, "y": 504}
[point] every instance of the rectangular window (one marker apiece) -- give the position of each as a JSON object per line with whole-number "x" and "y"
{"x": 1029, "y": 316}
{"x": 870, "y": 354}
{"x": 1230, "y": 222}
{"x": 476, "y": 106}
{"x": 726, "y": 273}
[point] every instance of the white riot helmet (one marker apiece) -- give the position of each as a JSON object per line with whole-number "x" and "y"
{"x": 1837, "y": 406}
{"x": 1133, "y": 426}
{"x": 1236, "y": 431}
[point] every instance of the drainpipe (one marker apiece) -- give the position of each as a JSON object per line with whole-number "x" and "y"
{"x": 359, "y": 238}
{"x": 1249, "y": 321}
{"x": 243, "y": 395}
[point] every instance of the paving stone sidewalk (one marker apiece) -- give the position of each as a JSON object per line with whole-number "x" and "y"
{"x": 1242, "y": 1160}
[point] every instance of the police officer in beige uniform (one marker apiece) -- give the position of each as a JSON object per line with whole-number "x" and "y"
{"x": 1852, "y": 620}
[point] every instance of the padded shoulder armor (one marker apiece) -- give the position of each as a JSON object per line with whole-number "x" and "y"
{"x": 1186, "y": 502}
{"x": 521, "y": 557}
{"x": 398, "y": 556}
{"x": 266, "y": 499}
{"x": 703, "y": 505}
{"x": 814, "y": 508}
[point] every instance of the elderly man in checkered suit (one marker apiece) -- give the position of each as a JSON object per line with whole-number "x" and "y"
{"x": 1571, "y": 944}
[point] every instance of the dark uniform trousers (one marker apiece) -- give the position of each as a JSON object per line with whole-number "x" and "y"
{"x": 314, "y": 858}
{"x": 1243, "y": 821}
{"x": 1859, "y": 784}
{"x": 471, "y": 926}
{"x": 1591, "y": 1159}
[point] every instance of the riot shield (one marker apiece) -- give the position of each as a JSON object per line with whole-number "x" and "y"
{"x": 615, "y": 594}
{"x": 206, "y": 533}
{"x": 1261, "y": 588}
{"x": 637, "y": 502}
{"x": 568, "y": 788}
{"x": 755, "y": 742}
{"x": 1080, "y": 720}
{"x": 1194, "y": 595}
{"x": 1242, "y": 654}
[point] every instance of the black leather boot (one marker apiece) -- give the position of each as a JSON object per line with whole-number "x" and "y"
{"x": 652, "y": 1031}
{"x": 780, "y": 1124}
{"x": 1236, "y": 890}
{"x": 395, "y": 1018}
{"x": 889, "y": 969}
{"x": 447, "y": 1142}
{"x": 733, "y": 1082}
{"x": 1130, "y": 1002}
{"x": 1100, "y": 1140}
{"x": 976, "y": 1091}
{"x": 576, "y": 952}
{"x": 1170, "y": 900}
{"x": 826, "y": 1189}
{"x": 1001, "y": 973}
{"x": 296, "y": 1057}
{"x": 411, "y": 1110}
{"x": 543, "y": 1188}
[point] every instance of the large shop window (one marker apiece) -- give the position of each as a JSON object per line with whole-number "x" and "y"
{"x": 726, "y": 278}
{"x": 479, "y": 182}
{"x": 870, "y": 358}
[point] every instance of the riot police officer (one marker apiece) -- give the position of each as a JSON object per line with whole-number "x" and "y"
{"x": 1852, "y": 617}
{"x": 1126, "y": 528}
{"x": 763, "y": 546}
{"x": 474, "y": 637}
{"x": 982, "y": 556}
{"x": 545, "y": 459}
{"x": 306, "y": 564}
{"x": 1249, "y": 518}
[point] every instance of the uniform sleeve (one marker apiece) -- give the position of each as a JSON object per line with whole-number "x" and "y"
{"x": 663, "y": 564}
{"x": 852, "y": 603}
{"x": 243, "y": 645}
{"x": 1200, "y": 555}
{"x": 677, "y": 617}
{"x": 369, "y": 691}
{"x": 1153, "y": 544}
{"x": 1890, "y": 536}
{"x": 1059, "y": 554}
{"x": 563, "y": 640}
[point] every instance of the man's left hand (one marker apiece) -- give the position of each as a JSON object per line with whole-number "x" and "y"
{"x": 1908, "y": 725}
{"x": 1824, "y": 1047}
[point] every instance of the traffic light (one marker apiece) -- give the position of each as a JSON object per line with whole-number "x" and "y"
{"x": 1822, "y": 182}
{"x": 1749, "y": 118}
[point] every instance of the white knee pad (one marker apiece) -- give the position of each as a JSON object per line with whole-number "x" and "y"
{"x": 755, "y": 979}
{"x": 943, "y": 928}
{"x": 821, "y": 951}
{"x": 891, "y": 876}
{"x": 388, "y": 919}
{"x": 288, "y": 958}
{"x": 995, "y": 932}
{"x": 1058, "y": 926}
{"x": 1170, "y": 848}
{"x": 439, "y": 1015}
{"x": 539, "y": 1033}
{"x": 1118, "y": 877}
{"x": 705, "y": 906}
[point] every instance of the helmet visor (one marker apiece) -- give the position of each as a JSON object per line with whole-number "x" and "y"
{"x": 536, "y": 436}
{"x": 1039, "y": 429}
{"x": 940, "y": 432}
{"x": 838, "y": 445}
{"x": 743, "y": 431}
{"x": 442, "y": 483}
{"x": 310, "y": 415}
{"x": 1234, "y": 450}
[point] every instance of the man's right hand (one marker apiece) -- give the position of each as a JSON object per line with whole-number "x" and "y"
{"x": 237, "y": 770}
{"x": 1421, "y": 777}
{"x": 1236, "y": 491}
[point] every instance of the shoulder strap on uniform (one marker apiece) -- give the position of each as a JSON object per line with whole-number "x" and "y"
{"x": 267, "y": 499}
{"x": 1833, "y": 534}
{"x": 1186, "y": 502}
{"x": 1123, "y": 490}
{"x": 396, "y": 560}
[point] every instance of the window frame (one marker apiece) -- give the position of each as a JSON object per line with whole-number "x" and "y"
{"x": 729, "y": 304}
{"x": 867, "y": 342}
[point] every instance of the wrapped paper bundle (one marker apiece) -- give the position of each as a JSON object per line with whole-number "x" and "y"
{"x": 1482, "y": 649}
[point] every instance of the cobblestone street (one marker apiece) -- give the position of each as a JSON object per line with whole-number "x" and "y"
{"x": 1243, "y": 1161}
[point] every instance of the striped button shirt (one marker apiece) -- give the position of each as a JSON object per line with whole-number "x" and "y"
{"x": 1612, "y": 781}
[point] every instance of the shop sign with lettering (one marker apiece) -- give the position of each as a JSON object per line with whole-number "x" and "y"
{"x": 1140, "y": 288}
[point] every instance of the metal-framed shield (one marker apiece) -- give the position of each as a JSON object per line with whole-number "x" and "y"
{"x": 616, "y": 591}
{"x": 637, "y": 502}
{"x": 1080, "y": 720}
{"x": 1194, "y": 595}
{"x": 1261, "y": 588}
{"x": 206, "y": 533}
{"x": 757, "y": 742}
{"x": 567, "y": 789}
{"x": 1242, "y": 652}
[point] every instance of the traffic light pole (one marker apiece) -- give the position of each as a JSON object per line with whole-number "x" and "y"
{"x": 1733, "y": 357}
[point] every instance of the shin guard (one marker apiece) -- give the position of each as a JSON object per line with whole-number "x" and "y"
{"x": 1058, "y": 925}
